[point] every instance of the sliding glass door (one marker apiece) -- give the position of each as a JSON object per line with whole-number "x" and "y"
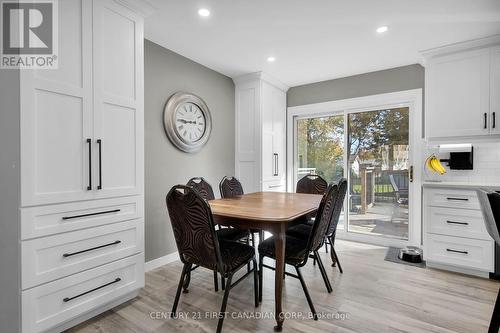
{"x": 372, "y": 150}
{"x": 320, "y": 148}
{"x": 378, "y": 163}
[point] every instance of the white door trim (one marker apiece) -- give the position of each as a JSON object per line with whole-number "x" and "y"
{"x": 408, "y": 98}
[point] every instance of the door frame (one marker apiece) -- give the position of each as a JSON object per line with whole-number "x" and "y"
{"x": 408, "y": 98}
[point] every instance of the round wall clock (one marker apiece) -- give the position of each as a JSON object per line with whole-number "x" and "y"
{"x": 187, "y": 121}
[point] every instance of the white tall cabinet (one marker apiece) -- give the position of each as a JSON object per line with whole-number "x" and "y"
{"x": 462, "y": 90}
{"x": 260, "y": 132}
{"x": 81, "y": 190}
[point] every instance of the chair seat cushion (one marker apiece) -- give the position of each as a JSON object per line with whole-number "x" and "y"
{"x": 295, "y": 249}
{"x": 235, "y": 254}
{"x": 300, "y": 231}
{"x": 231, "y": 234}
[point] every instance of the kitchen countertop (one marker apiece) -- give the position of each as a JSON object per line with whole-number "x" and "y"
{"x": 493, "y": 186}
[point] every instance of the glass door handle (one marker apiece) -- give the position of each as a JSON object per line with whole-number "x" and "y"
{"x": 410, "y": 174}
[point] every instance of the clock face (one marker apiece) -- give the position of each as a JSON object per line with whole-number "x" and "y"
{"x": 187, "y": 121}
{"x": 190, "y": 123}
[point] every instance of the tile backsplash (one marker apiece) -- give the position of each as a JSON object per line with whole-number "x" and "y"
{"x": 486, "y": 165}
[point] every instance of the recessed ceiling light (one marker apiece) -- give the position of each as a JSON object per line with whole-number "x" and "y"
{"x": 382, "y": 29}
{"x": 271, "y": 59}
{"x": 204, "y": 12}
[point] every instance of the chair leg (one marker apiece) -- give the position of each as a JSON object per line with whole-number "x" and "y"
{"x": 187, "y": 280}
{"x": 248, "y": 265}
{"x": 323, "y": 272}
{"x": 185, "y": 269}
{"x": 224, "y": 303}
{"x": 216, "y": 280}
{"x": 261, "y": 263}
{"x": 495, "y": 317}
{"x": 308, "y": 297}
{"x": 255, "y": 282}
{"x": 326, "y": 245}
{"x": 223, "y": 282}
{"x": 335, "y": 259}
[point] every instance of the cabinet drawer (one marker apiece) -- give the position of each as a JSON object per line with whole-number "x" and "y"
{"x": 54, "y": 303}
{"x": 469, "y": 253}
{"x": 456, "y": 222}
{"x": 278, "y": 186}
{"x": 452, "y": 198}
{"x": 49, "y": 220}
{"x": 50, "y": 258}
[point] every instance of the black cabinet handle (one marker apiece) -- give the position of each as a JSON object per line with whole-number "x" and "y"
{"x": 457, "y": 199}
{"x": 90, "y": 214}
{"x": 89, "y": 141}
{"x": 99, "y": 143}
{"x": 91, "y": 249}
{"x": 454, "y": 222}
{"x": 493, "y": 124}
{"x": 485, "y": 120}
{"x": 67, "y": 299}
{"x": 457, "y": 251}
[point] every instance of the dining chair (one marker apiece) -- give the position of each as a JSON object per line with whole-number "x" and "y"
{"x": 232, "y": 234}
{"x": 303, "y": 230}
{"x": 198, "y": 244}
{"x": 311, "y": 184}
{"x": 490, "y": 207}
{"x": 230, "y": 187}
{"x": 298, "y": 250}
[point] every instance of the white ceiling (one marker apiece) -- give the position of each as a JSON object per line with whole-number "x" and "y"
{"x": 315, "y": 40}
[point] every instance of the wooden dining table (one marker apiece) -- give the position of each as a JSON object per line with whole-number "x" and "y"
{"x": 269, "y": 211}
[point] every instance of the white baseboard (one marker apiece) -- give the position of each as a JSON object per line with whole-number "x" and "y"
{"x": 158, "y": 262}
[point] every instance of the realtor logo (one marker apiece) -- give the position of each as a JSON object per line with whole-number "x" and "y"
{"x": 29, "y": 34}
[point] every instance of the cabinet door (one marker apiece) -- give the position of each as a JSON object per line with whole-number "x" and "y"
{"x": 56, "y": 116}
{"x": 279, "y": 116}
{"x": 118, "y": 101}
{"x": 457, "y": 95}
{"x": 495, "y": 90}
{"x": 268, "y": 153}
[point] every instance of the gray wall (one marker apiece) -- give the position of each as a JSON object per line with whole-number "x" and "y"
{"x": 390, "y": 80}
{"x": 9, "y": 201}
{"x": 166, "y": 73}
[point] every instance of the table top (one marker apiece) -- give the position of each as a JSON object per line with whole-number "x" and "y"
{"x": 266, "y": 206}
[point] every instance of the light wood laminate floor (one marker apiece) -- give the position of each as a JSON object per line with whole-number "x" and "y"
{"x": 372, "y": 295}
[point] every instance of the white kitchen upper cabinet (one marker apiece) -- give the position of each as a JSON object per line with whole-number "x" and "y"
{"x": 457, "y": 95}
{"x": 495, "y": 90}
{"x": 56, "y": 116}
{"x": 118, "y": 100}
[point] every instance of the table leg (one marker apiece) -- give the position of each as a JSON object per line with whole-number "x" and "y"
{"x": 279, "y": 244}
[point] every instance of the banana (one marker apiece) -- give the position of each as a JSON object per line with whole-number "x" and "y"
{"x": 432, "y": 163}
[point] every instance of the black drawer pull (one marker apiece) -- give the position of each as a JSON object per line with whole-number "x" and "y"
{"x": 67, "y": 299}
{"x": 90, "y": 214}
{"x": 457, "y": 251}
{"x": 91, "y": 249}
{"x": 457, "y": 199}
{"x": 454, "y": 222}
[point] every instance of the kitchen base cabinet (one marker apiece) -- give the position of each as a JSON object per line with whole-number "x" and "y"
{"x": 455, "y": 237}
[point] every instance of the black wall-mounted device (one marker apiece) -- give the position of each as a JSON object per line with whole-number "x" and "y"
{"x": 461, "y": 160}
